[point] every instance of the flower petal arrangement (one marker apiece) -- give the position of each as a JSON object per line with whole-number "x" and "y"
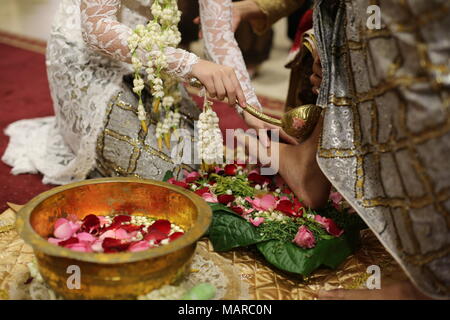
{"x": 112, "y": 234}
{"x": 250, "y": 209}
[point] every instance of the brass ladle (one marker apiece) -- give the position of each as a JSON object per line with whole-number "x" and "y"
{"x": 298, "y": 122}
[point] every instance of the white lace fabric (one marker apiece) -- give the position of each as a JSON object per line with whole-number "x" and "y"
{"x": 104, "y": 33}
{"x": 87, "y": 58}
{"x": 220, "y": 43}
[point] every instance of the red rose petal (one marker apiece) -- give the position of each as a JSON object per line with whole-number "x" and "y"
{"x": 91, "y": 224}
{"x": 286, "y": 207}
{"x": 175, "y": 236}
{"x": 333, "y": 229}
{"x": 139, "y": 246}
{"x": 114, "y": 245}
{"x": 131, "y": 227}
{"x": 238, "y": 210}
{"x": 112, "y": 226}
{"x": 71, "y": 240}
{"x": 201, "y": 191}
{"x": 225, "y": 198}
{"x": 258, "y": 179}
{"x": 230, "y": 169}
{"x": 242, "y": 165}
{"x": 178, "y": 183}
{"x": 287, "y": 191}
{"x": 121, "y": 219}
{"x": 192, "y": 177}
{"x": 155, "y": 236}
{"x": 161, "y": 225}
{"x": 297, "y": 206}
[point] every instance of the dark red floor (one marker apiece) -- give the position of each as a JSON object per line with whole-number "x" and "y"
{"x": 24, "y": 93}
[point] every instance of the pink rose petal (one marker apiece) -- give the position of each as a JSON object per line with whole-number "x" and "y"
{"x": 139, "y": 246}
{"x": 97, "y": 246}
{"x": 82, "y": 247}
{"x": 264, "y": 203}
{"x": 103, "y": 221}
{"x": 74, "y": 226}
{"x": 54, "y": 240}
{"x": 329, "y": 225}
{"x": 60, "y": 221}
{"x": 336, "y": 197}
{"x": 108, "y": 234}
{"x": 122, "y": 234}
{"x": 304, "y": 238}
{"x": 209, "y": 197}
{"x": 63, "y": 231}
{"x": 247, "y": 211}
{"x": 257, "y": 221}
{"x": 192, "y": 177}
{"x": 85, "y": 237}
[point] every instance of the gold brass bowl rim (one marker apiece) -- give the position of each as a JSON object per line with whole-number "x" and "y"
{"x": 30, "y": 236}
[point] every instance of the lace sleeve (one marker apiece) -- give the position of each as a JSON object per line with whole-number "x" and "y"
{"x": 105, "y": 34}
{"x": 220, "y": 44}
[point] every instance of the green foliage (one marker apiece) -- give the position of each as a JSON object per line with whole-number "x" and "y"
{"x": 274, "y": 240}
{"x": 289, "y": 257}
{"x": 228, "y": 231}
{"x": 285, "y": 230}
{"x": 167, "y": 175}
{"x": 238, "y": 184}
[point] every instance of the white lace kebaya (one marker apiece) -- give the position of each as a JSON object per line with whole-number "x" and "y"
{"x": 88, "y": 60}
{"x": 220, "y": 43}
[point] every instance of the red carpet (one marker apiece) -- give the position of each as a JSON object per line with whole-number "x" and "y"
{"x": 24, "y": 94}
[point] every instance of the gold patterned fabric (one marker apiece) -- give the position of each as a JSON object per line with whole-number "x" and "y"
{"x": 386, "y": 136}
{"x": 268, "y": 283}
{"x": 247, "y": 274}
{"x": 124, "y": 149}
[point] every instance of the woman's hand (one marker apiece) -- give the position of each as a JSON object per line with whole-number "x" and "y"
{"x": 219, "y": 81}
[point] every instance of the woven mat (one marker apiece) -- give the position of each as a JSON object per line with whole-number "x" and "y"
{"x": 264, "y": 281}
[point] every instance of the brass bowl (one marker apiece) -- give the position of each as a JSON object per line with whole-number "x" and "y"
{"x": 114, "y": 275}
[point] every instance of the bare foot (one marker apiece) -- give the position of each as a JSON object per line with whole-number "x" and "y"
{"x": 298, "y": 166}
{"x": 403, "y": 290}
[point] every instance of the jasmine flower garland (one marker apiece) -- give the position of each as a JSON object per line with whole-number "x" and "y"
{"x": 160, "y": 33}
{"x": 210, "y": 143}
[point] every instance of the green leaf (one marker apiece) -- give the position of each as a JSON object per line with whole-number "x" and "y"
{"x": 220, "y": 207}
{"x": 327, "y": 252}
{"x": 228, "y": 231}
{"x": 167, "y": 175}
